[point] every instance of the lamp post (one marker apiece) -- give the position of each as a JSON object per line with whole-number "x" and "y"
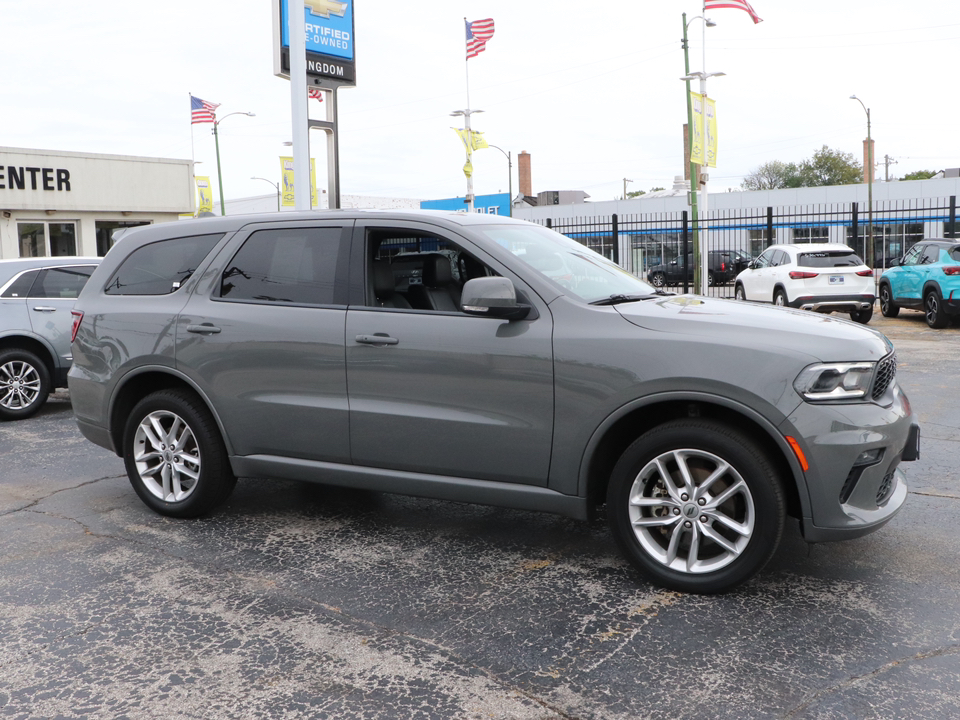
{"x": 868, "y": 255}
{"x": 509, "y": 179}
{"x": 466, "y": 124}
{"x": 216, "y": 139}
{"x": 697, "y": 261}
{"x": 276, "y": 185}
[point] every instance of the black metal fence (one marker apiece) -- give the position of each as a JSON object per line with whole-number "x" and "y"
{"x": 641, "y": 243}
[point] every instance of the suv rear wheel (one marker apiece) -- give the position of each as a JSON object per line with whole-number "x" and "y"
{"x": 175, "y": 456}
{"x": 862, "y": 316}
{"x": 888, "y": 308}
{"x": 934, "y": 311}
{"x": 779, "y": 297}
{"x": 24, "y": 384}
{"x": 696, "y": 506}
{"x": 658, "y": 280}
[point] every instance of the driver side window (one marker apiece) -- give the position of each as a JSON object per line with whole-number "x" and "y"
{"x": 912, "y": 255}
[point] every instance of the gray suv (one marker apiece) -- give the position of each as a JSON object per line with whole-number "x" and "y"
{"x": 428, "y": 353}
{"x": 36, "y": 297}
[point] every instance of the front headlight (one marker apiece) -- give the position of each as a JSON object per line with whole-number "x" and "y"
{"x": 835, "y": 381}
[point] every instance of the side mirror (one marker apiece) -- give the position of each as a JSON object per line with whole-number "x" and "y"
{"x": 893, "y": 262}
{"x": 492, "y": 297}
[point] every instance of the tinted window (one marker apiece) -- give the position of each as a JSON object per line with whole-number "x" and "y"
{"x": 21, "y": 286}
{"x": 780, "y": 258}
{"x": 912, "y": 254}
{"x": 833, "y": 258}
{"x": 931, "y": 254}
{"x": 296, "y": 266}
{"x": 63, "y": 282}
{"x": 955, "y": 253}
{"x": 161, "y": 267}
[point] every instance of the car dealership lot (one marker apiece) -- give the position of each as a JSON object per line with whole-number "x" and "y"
{"x": 297, "y": 600}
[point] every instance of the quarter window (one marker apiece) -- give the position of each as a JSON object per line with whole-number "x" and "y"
{"x": 931, "y": 254}
{"x": 296, "y": 266}
{"x": 162, "y": 267}
{"x": 20, "y": 288}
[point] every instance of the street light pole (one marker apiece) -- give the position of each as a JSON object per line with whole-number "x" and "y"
{"x": 466, "y": 124}
{"x": 509, "y": 179}
{"x": 276, "y": 185}
{"x": 216, "y": 141}
{"x": 868, "y": 255}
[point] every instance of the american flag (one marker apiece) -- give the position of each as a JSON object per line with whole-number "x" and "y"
{"x": 315, "y": 93}
{"x": 478, "y": 32}
{"x": 202, "y": 111}
{"x": 737, "y": 4}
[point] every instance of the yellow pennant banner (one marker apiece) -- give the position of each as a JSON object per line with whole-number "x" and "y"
{"x": 204, "y": 195}
{"x": 696, "y": 132}
{"x": 472, "y": 140}
{"x": 711, "y": 108}
{"x": 286, "y": 182}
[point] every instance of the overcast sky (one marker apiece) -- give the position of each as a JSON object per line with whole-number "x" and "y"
{"x": 590, "y": 89}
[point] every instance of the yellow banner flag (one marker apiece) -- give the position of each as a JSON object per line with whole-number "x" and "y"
{"x": 711, "y": 132}
{"x": 696, "y": 132}
{"x": 204, "y": 194}
{"x": 286, "y": 182}
{"x": 472, "y": 140}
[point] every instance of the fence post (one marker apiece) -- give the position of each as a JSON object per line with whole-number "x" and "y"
{"x": 952, "y": 232}
{"x": 549, "y": 224}
{"x": 855, "y": 216}
{"x": 771, "y": 239}
{"x": 616, "y": 240}
{"x": 686, "y": 251}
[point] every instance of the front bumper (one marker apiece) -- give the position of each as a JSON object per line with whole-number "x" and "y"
{"x": 849, "y": 496}
{"x": 833, "y": 303}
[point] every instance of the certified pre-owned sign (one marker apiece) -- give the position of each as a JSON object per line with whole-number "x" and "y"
{"x": 329, "y": 40}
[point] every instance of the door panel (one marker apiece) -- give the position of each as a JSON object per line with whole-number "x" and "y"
{"x": 451, "y": 394}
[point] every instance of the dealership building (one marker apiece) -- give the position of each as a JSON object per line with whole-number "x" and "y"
{"x": 69, "y": 203}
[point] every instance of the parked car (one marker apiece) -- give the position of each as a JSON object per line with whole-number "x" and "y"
{"x": 266, "y": 346}
{"x": 36, "y": 297}
{"x": 926, "y": 278}
{"x": 722, "y": 267}
{"x": 823, "y": 277}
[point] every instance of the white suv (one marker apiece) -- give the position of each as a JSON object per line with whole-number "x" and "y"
{"x": 824, "y": 277}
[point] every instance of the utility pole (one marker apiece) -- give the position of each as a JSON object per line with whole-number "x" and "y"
{"x": 887, "y": 162}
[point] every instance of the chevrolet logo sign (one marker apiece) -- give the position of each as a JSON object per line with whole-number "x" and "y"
{"x": 326, "y": 8}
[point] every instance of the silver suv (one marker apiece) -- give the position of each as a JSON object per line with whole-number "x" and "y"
{"x": 342, "y": 348}
{"x": 36, "y": 297}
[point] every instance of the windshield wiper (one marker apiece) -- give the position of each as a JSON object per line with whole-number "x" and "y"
{"x": 618, "y": 299}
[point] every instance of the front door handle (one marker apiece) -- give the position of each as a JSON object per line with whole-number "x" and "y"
{"x": 377, "y": 339}
{"x": 44, "y": 308}
{"x": 205, "y": 329}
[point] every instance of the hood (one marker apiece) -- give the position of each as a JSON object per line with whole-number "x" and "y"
{"x": 823, "y": 337}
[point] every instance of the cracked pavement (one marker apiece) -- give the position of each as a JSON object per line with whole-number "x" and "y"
{"x": 304, "y": 601}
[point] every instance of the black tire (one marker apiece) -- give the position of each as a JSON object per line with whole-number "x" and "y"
{"x": 658, "y": 535}
{"x": 888, "y": 308}
{"x": 24, "y": 384}
{"x": 189, "y": 474}
{"x": 710, "y": 279}
{"x": 862, "y": 316}
{"x": 779, "y": 297}
{"x": 739, "y": 293}
{"x": 934, "y": 311}
{"x": 658, "y": 280}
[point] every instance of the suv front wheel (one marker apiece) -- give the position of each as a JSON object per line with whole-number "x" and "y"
{"x": 696, "y": 506}
{"x": 175, "y": 456}
{"x": 24, "y": 384}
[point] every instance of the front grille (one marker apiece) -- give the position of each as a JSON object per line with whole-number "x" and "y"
{"x": 885, "y": 489}
{"x": 886, "y": 372}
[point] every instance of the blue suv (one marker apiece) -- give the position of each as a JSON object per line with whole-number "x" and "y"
{"x": 926, "y": 278}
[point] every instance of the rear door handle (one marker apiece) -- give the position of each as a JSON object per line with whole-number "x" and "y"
{"x": 378, "y": 339}
{"x": 44, "y": 308}
{"x": 203, "y": 329}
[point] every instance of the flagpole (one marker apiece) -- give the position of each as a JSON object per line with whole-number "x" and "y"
{"x": 466, "y": 124}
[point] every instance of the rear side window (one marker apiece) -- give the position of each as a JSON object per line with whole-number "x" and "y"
{"x": 20, "y": 288}
{"x": 955, "y": 253}
{"x": 833, "y": 258}
{"x": 931, "y": 254}
{"x": 160, "y": 268}
{"x": 291, "y": 265}
{"x": 63, "y": 282}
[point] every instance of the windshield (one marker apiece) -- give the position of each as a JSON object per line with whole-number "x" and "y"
{"x": 584, "y": 273}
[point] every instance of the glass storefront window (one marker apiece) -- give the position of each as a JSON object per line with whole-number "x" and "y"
{"x": 63, "y": 239}
{"x": 43, "y": 239}
{"x": 33, "y": 241}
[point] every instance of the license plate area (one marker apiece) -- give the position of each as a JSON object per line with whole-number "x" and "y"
{"x": 835, "y": 280}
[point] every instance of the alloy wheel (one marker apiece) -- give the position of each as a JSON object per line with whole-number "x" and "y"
{"x": 20, "y": 385}
{"x": 166, "y": 456}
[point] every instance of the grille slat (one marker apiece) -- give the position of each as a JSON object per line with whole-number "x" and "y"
{"x": 886, "y": 372}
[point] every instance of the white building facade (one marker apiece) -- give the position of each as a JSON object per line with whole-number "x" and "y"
{"x": 67, "y": 203}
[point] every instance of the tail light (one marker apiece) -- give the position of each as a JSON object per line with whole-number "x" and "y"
{"x": 77, "y": 319}
{"x": 801, "y": 275}
{"x": 951, "y": 270}
{"x": 723, "y": 266}
{"x": 865, "y": 273}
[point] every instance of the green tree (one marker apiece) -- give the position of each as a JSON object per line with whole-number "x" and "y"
{"x": 638, "y": 193}
{"x": 830, "y": 167}
{"x": 826, "y": 167}
{"x": 919, "y": 175}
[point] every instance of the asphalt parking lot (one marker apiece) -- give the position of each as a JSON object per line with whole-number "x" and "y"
{"x": 298, "y": 600}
